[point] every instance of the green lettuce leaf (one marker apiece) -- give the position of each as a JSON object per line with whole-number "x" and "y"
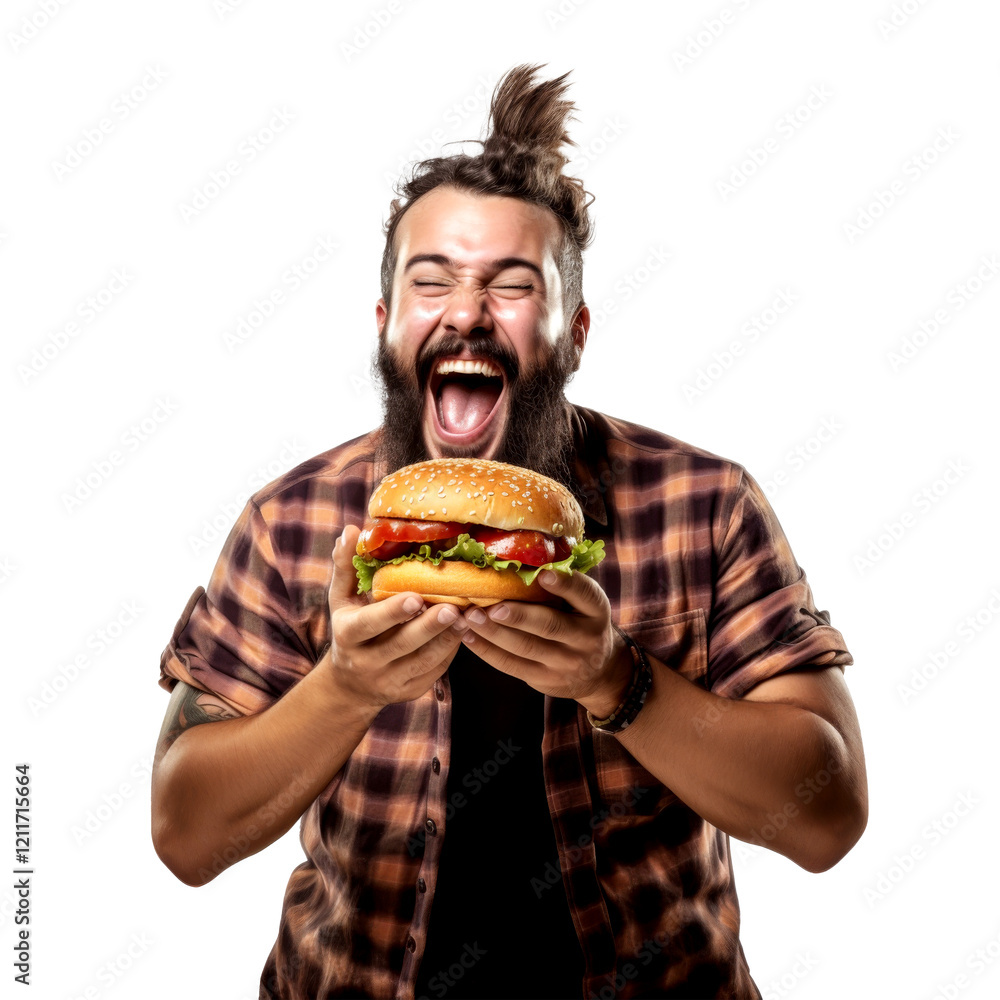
{"x": 584, "y": 556}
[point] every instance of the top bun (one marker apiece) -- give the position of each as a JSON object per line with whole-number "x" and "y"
{"x": 478, "y": 491}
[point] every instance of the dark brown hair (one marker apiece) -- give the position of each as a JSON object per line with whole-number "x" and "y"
{"x": 521, "y": 158}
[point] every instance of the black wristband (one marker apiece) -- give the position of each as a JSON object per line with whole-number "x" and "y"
{"x": 635, "y": 697}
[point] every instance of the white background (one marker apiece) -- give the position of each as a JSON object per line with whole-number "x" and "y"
{"x": 656, "y": 139}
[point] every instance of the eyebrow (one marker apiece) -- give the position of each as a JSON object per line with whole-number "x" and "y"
{"x": 501, "y": 264}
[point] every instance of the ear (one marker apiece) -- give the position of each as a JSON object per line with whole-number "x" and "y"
{"x": 579, "y": 329}
{"x": 381, "y": 315}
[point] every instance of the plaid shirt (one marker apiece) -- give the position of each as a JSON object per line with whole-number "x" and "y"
{"x": 698, "y": 571}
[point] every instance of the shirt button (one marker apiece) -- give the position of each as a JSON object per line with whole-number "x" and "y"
{"x": 421, "y": 885}
{"x": 439, "y": 692}
{"x": 435, "y": 765}
{"x": 431, "y": 827}
{"x": 411, "y": 945}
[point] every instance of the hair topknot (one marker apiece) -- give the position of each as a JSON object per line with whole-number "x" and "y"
{"x": 521, "y": 157}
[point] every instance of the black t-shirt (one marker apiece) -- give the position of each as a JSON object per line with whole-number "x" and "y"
{"x": 493, "y": 933}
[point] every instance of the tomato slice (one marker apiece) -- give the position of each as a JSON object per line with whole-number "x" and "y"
{"x": 385, "y": 538}
{"x": 380, "y": 531}
{"x": 389, "y": 550}
{"x": 563, "y": 549}
{"x": 534, "y": 548}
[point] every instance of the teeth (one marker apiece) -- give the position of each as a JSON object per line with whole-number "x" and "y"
{"x": 469, "y": 368}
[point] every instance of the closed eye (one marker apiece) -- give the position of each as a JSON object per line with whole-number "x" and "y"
{"x": 440, "y": 284}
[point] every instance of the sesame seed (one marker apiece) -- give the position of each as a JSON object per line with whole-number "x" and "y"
{"x": 431, "y": 512}
{"x": 444, "y": 510}
{"x": 388, "y": 510}
{"x": 490, "y": 492}
{"x": 408, "y": 509}
{"x": 504, "y": 494}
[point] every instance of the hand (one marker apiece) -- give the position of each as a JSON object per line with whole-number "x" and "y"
{"x": 387, "y": 651}
{"x": 574, "y": 653}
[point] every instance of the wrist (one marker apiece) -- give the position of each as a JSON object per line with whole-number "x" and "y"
{"x": 617, "y": 679}
{"x": 342, "y": 704}
{"x": 625, "y": 712}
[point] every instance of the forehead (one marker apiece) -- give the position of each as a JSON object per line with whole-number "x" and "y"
{"x": 473, "y": 228}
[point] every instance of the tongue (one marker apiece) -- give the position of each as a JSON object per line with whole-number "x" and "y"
{"x": 464, "y": 408}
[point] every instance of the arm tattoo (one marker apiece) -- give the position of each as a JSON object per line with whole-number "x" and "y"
{"x": 189, "y": 707}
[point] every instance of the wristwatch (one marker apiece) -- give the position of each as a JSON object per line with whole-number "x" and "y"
{"x": 635, "y": 697}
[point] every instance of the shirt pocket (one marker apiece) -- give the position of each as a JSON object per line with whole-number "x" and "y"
{"x": 627, "y": 790}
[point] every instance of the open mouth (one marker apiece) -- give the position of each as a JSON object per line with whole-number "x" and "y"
{"x": 465, "y": 397}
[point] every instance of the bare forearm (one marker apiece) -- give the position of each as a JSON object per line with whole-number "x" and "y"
{"x": 772, "y": 774}
{"x": 224, "y": 791}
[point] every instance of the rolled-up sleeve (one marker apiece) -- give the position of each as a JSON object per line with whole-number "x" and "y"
{"x": 238, "y": 639}
{"x": 764, "y": 621}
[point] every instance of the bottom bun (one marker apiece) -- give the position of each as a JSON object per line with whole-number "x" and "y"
{"x": 456, "y": 582}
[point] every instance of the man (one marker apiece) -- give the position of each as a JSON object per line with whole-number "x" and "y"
{"x": 475, "y": 821}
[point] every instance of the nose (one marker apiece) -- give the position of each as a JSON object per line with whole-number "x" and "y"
{"x": 467, "y": 313}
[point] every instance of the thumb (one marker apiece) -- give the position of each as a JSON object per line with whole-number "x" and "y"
{"x": 344, "y": 584}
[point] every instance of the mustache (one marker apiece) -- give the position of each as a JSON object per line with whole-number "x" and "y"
{"x": 482, "y": 347}
{"x": 536, "y": 399}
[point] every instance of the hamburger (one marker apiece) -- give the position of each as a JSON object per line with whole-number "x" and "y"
{"x": 470, "y": 531}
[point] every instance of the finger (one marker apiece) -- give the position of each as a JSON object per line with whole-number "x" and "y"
{"x": 528, "y": 643}
{"x": 537, "y": 619}
{"x": 397, "y": 626}
{"x": 510, "y": 663}
{"x": 344, "y": 585}
{"x": 432, "y": 658}
{"x": 577, "y": 589}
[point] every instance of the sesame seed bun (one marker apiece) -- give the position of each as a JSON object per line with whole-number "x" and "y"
{"x": 478, "y": 491}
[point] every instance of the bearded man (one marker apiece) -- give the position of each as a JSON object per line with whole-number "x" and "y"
{"x": 473, "y": 823}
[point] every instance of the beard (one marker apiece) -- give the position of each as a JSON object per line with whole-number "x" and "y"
{"x": 537, "y": 434}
